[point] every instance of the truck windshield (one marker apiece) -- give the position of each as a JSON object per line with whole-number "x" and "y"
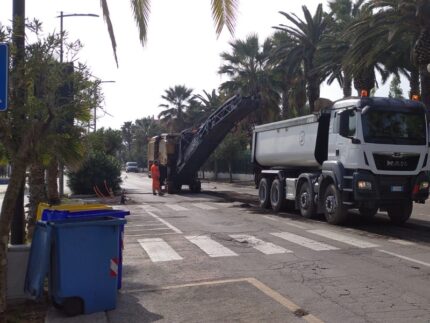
{"x": 394, "y": 127}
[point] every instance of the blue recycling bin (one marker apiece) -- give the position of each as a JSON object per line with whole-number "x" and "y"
{"x": 84, "y": 264}
{"x": 81, "y": 257}
{"x": 61, "y": 215}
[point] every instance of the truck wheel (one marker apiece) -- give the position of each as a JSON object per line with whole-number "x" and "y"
{"x": 335, "y": 212}
{"x": 306, "y": 203}
{"x": 277, "y": 195}
{"x": 264, "y": 193}
{"x": 173, "y": 188}
{"x": 368, "y": 213}
{"x": 195, "y": 187}
{"x": 399, "y": 214}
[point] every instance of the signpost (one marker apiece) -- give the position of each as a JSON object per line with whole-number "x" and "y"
{"x": 4, "y": 71}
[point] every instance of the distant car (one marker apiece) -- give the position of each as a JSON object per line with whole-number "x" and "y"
{"x": 131, "y": 167}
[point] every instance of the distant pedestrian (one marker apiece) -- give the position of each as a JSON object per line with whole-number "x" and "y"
{"x": 155, "y": 175}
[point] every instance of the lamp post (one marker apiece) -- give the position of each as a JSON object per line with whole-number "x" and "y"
{"x": 95, "y": 106}
{"x": 62, "y": 16}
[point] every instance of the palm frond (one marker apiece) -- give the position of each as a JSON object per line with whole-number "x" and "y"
{"x": 106, "y": 17}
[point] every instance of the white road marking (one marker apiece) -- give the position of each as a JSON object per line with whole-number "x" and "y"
{"x": 204, "y": 206}
{"x": 267, "y": 248}
{"x": 270, "y": 218}
{"x": 405, "y": 258}
{"x": 147, "y": 224}
{"x": 403, "y": 242}
{"x": 176, "y": 207}
{"x": 304, "y": 242}
{"x": 147, "y": 229}
{"x": 158, "y": 250}
{"x": 148, "y": 234}
{"x": 165, "y": 222}
{"x": 296, "y": 225}
{"x": 211, "y": 247}
{"x": 148, "y": 208}
{"x": 343, "y": 238}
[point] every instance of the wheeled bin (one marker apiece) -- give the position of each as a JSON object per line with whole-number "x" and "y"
{"x": 82, "y": 263}
{"x": 57, "y": 215}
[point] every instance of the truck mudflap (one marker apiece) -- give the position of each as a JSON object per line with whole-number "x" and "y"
{"x": 386, "y": 188}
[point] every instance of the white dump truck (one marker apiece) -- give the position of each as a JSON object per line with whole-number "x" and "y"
{"x": 357, "y": 153}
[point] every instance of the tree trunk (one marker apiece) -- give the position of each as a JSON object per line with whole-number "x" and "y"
{"x": 52, "y": 184}
{"x": 285, "y": 105}
{"x": 414, "y": 82}
{"x": 216, "y": 169}
{"x": 347, "y": 85}
{"x": 37, "y": 194}
{"x": 7, "y": 212}
{"x": 230, "y": 172}
{"x": 17, "y": 234}
{"x": 425, "y": 85}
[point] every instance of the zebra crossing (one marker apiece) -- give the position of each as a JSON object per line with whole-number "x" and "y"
{"x": 159, "y": 250}
{"x": 183, "y": 207}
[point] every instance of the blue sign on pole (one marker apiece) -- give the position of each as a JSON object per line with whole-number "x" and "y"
{"x": 4, "y": 72}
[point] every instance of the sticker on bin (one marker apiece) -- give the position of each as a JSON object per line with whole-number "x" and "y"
{"x": 114, "y": 267}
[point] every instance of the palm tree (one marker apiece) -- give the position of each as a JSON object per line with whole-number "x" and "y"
{"x": 250, "y": 73}
{"x": 223, "y": 13}
{"x": 177, "y": 102}
{"x": 307, "y": 35}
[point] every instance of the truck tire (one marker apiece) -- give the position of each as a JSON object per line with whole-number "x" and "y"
{"x": 367, "y": 212}
{"x": 306, "y": 203}
{"x": 400, "y": 213}
{"x": 277, "y": 195}
{"x": 335, "y": 212}
{"x": 173, "y": 188}
{"x": 264, "y": 193}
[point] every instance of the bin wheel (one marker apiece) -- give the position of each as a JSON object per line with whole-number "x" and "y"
{"x": 56, "y": 305}
{"x": 73, "y": 306}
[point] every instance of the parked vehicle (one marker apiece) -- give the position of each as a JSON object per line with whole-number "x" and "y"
{"x": 131, "y": 167}
{"x": 363, "y": 153}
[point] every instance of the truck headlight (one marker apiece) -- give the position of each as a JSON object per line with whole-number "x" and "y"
{"x": 424, "y": 185}
{"x": 364, "y": 185}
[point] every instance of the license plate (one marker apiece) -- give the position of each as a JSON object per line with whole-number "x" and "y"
{"x": 396, "y": 188}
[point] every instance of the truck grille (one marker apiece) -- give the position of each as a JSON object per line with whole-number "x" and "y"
{"x": 396, "y": 161}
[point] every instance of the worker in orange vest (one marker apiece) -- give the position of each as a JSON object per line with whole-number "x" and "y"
{"x": 155, "y": 174}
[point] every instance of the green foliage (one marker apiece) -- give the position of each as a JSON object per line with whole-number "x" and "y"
{"x": 106, "y": 141}
{"x": 97, "y": 169}
{"x": 395, "y": 89}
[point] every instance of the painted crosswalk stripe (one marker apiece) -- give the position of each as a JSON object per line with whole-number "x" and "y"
{"x": 403, "y": 242}
{"x": 344, "y": 238}
{"x": 211, "y": 247}
{"x": 158, "y": 250}
{"x": 304, "y": 242}
{"x": 204, "y": 206}
{"x": 267, "y": 248}
{"x": 176, "y": 207}
{"x": 148, "y": 208}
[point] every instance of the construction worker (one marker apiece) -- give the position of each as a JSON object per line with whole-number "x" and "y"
{"x": 155, "y": 174}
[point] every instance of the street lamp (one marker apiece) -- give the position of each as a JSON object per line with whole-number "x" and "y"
{"x": 95, "y": 106}
{"x": 62, "y": 16}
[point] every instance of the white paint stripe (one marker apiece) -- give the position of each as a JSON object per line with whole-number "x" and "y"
{"x": 165, "y": 222}
{"x": 204, "y": 206}
{"x": 211, "y": 247}
{"x": 344, "y": 238}
{"x": 148, "y": 229}
{"x": 296, "y": 225}
{"x": 147, "y": 224}
{"x": 147, "y": 234}
{"x": 148, "y": 208}
{"x": 176, "y": 207}
{"x": 267, "y": 248}
{"x": 405, "y": 258}
{"x": 304, "y": 242}
{"x": 158, "y": 250}
{"x": 270, "y": 218}
{"x": 403, "y": 242}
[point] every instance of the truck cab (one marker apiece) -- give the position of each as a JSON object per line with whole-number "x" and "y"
{"x": 358, "y": 153}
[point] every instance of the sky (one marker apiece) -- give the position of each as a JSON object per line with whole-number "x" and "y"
{"x": 181, "y": 49}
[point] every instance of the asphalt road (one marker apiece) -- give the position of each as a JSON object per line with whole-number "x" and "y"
{"x": 208, "y": 258}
